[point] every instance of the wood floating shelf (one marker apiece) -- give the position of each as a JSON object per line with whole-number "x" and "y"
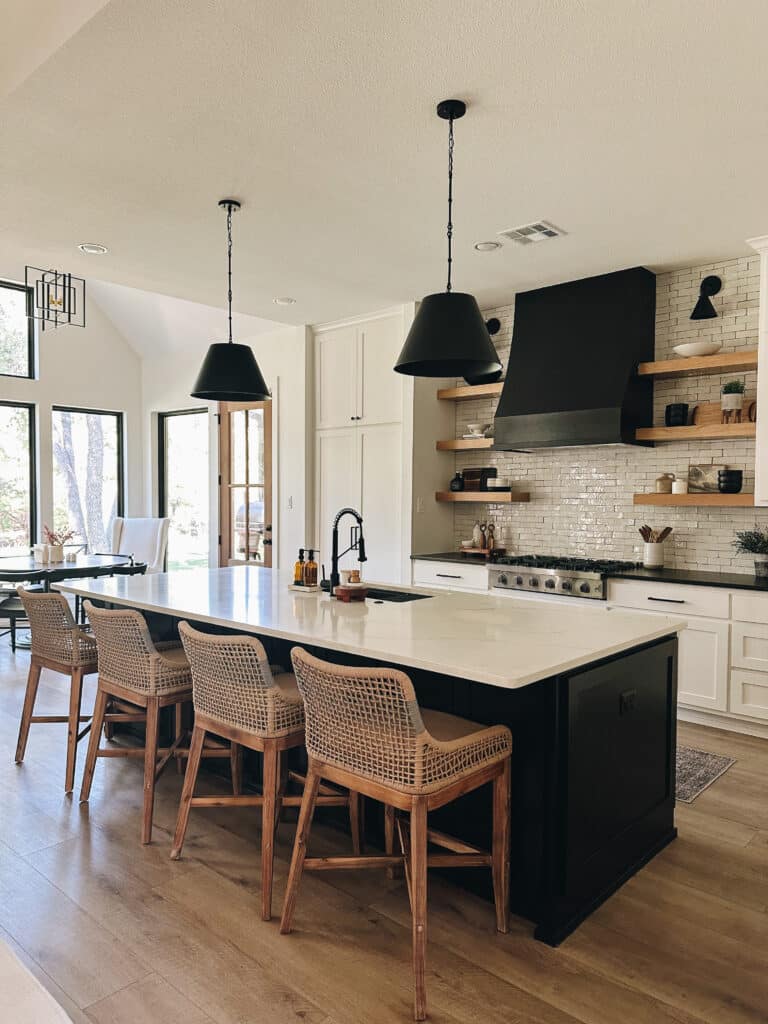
{"x": 712, "y": 500}
{"x": 721, "y": 362}
{"x": 487, "y": 497}
{"x": 465, "y": 444}
{"x": 698, "y": 432}
{"x": 465, "y": 392}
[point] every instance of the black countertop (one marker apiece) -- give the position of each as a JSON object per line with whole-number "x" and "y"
{"x": 730, "y": 580}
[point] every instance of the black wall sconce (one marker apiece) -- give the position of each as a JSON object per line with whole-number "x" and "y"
{"x": 704, "y": 310}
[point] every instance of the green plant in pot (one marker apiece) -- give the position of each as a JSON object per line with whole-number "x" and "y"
{"x": 755, "y": 543}
{"x": 731, "y": 400}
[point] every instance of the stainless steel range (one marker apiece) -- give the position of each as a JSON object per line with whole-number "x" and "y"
{"x": 547, "y": 574}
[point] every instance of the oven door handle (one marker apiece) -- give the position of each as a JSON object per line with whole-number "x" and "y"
{"x": 668, "y": 600}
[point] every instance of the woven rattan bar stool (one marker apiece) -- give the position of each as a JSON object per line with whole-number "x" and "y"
{"x": 364, "y": 730}
{"x": 137, "y": 678}
{"x": 239, "y": 697}
{"x": 60, "y": 645}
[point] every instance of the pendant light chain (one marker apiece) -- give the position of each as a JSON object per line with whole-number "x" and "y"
{"x": 229, "y": 267}
{"x": 450, "y": 201}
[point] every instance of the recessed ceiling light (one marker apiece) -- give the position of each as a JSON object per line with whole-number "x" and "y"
{"x": 284, "y": 300}
{"x": 93, "y": 248}
{"x": 487, "y": 246}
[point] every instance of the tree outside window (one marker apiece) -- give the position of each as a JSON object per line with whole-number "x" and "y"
{"x": 87, "y": 485}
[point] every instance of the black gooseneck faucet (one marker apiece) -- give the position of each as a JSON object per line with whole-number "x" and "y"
{"x": 357, "y": 543}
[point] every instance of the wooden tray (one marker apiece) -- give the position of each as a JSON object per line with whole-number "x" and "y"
{"x": 486, "y": 552}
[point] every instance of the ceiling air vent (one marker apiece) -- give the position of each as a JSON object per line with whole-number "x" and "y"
{"x": 539, "y": 231}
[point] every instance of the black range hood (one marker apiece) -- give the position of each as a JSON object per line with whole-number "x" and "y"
{"x": 571, "y": 376}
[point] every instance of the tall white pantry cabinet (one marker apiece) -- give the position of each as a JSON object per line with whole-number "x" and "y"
{"x": 374, "y": 445}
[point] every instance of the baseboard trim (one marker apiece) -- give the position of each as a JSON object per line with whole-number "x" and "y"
{"x": 717, "y": 721}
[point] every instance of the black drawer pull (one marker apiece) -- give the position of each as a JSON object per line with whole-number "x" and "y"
{"x": 668, "y": 600}
{"x": 447, "y": 576}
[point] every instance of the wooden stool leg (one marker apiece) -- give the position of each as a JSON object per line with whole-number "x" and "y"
{"x": 356, "y": 822}
{"x": 311, "y": 786}
{"x": 178, "y": 728}
{"x": 33, "y": 681}
{"x": 269, "y": 789}
{"x": 193, "y": 766}
{"x": 419, "y": 901}
{"x": 73, "y": 726}
{"x": 389, "y": 835}
{"x": 500, "y": 849}
{"x": 236, "y": 767}
{"x": 150, "y": 768}
{"x": 109, "y": 728}
{"x": 97, "y": 721}
{"x": 282, "y": 785}
{"x": 13, "y": 634}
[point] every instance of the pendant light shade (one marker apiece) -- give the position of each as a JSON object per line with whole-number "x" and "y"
{"x": 230, "y": 372}
{"x": 448, "y": 337}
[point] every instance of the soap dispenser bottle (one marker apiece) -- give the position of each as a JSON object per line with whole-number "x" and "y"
{"x": 310, "y": 570}
{"x": 298, "y": 570}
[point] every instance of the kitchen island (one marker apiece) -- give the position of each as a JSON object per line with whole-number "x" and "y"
{"x": 590, "y": 701}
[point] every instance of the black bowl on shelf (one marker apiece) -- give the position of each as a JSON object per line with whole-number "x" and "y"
{"x": 730, "y": 481}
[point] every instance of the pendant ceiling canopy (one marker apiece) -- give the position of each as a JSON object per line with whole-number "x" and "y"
{"x": 448, "y": 336}
{"x": 230, "y": 372}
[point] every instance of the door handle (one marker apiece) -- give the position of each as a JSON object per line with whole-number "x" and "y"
{"x": 448, "y": 576}
{"x": 668, "y": 600}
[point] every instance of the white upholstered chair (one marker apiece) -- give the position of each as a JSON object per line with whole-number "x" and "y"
{"x": 146, "y": 539}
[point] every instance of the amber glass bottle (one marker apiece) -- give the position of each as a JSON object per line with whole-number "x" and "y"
{"x": 298, "y": 570}
{"x": 310, "y": 570}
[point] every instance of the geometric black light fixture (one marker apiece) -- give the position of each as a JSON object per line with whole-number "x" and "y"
{"x": 448, "y": 337}
{"x": 704, "y": 310}
{"x": 230, "y": 372}
{"x": 54, "y": 298}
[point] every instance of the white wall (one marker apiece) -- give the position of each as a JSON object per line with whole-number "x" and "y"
{"x": 283, "y": 357}
{"x": 91, "y": 368}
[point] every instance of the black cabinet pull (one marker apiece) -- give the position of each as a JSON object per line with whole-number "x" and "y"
{"x": 668, "y": 600}
{"x": 448, "y": 576}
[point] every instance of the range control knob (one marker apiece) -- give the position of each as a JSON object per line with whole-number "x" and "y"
{"x": 503, "y": 579}
{"x": 534, "y": 581}
{"x": 584, "y": 588}
{"x": 550, "y": 584}
{"x": 519, "y": 581}
{"x": 566, "y": 585}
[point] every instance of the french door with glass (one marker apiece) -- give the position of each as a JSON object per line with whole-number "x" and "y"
{"x": 245, "y": 461}
{"x": 184, "y": 486}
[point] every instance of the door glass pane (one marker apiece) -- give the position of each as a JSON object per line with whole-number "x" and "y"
{"x": 15, "y": 480}
{"x": 238, "y": 426}
{"x": 256, "y": 517}
{"x": 14, "y": 332}
{"x": 187, "y": 489}
{"x": 86, "y": 488}
{"x": 256, "y": 446}
{"x": 240, "y": 523}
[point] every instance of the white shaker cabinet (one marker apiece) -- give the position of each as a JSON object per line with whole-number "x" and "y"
{"x": 702, "y": 665}
{"x": 336, "y": 390}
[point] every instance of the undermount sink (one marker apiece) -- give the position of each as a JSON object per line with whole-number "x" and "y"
{"x": 400, "y": 596}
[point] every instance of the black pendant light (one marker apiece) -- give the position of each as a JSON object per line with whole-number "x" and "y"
{"x": 448, "y": 337}
{"x": 230, "y": 372}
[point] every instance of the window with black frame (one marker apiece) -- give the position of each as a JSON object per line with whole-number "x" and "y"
{"x": 17, "y": 332}
{"x": 87, "y": 475}
{"x": 17, "y": 478}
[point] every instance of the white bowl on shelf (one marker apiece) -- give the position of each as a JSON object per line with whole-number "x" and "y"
{"x": 698, "y": 348}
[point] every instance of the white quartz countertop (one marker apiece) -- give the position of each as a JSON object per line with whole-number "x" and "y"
{"x": 473, "y": 636}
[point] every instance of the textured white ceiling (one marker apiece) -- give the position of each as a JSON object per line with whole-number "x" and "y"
{"x": 639, "y": 127}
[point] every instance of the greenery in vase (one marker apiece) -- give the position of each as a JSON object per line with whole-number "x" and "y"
{"x": 752, "y": 542}
{"x": 733, "y": 387}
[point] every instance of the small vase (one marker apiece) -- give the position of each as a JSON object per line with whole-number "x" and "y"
{"x": 761, "y": 566}
{"x": 730, "y": 405}
{"x": 55, "y": 552}
{"x": 653, "y": 555}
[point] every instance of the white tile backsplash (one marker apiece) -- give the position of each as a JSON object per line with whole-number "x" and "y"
{"x": 581, "y": 499}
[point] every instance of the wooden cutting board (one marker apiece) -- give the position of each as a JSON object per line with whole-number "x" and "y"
{"x": 707, "y": 413}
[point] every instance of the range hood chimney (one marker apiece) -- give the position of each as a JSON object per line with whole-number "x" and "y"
{"x": 571, "y": 376}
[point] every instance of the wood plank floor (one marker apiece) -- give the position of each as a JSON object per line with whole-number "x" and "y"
{"x": 118, "y": 933}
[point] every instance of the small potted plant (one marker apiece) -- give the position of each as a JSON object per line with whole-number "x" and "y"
{"x": 731, "y": 400}
{"x": 755, "y": 543}
{"x": 56, "y": 539}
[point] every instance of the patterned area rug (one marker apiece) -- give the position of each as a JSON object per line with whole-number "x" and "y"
{"x": 696, "y": 770}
